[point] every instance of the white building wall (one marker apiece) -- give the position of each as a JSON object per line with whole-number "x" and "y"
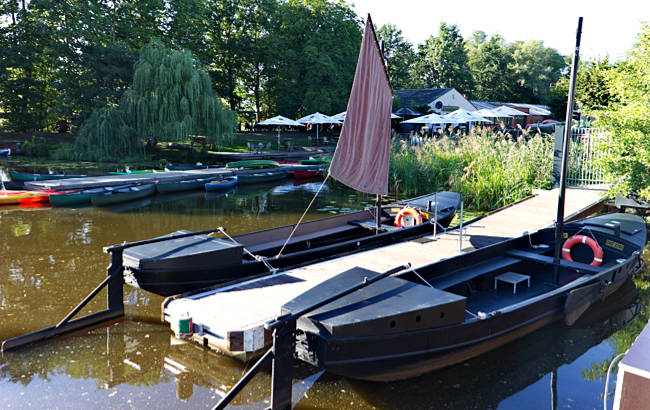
{"x": 454, "y": 99}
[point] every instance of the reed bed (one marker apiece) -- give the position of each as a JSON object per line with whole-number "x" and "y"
{"x": 489, "y": 169}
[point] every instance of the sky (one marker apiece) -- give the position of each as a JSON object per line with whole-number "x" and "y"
{"x": 608, "y": 28}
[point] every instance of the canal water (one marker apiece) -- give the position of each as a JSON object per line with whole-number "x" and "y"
{"x": 51, "y": 258}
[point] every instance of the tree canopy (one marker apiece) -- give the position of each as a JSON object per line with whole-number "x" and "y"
{"x": 171, "y": 98}
{"x": 65, "y": 58}
{"x": 626, "y": 119}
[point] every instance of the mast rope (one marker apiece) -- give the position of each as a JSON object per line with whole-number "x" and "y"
{"x": 256, "y": 257}
{"x": 303, "y": 216}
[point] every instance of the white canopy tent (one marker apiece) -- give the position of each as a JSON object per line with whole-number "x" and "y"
{"x": 318, "y": 118}
{"x": 280, "y": 120}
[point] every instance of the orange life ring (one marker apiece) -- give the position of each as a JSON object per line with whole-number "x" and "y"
{"x": 407, "y": 210}
{"x": 590, "y": 242}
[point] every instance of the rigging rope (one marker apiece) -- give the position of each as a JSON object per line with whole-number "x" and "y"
{"x": 303, "y": 216}
{"x": 256, "y": 257}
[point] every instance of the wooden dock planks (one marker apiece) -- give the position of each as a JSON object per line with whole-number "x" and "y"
{"x": 231, "y": 319}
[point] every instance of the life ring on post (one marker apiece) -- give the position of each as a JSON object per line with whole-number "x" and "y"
{"x": 408, "y": 216}
{"x": 590, "y": 242}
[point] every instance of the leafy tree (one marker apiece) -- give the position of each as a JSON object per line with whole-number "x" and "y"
{"x": 171, "y": 98}
{"x": 592, "y": 86}
{"x": 626, "y": 119}
{"x": 534, "y": 68}
{"x": 314, "y": 46}
{"x": 400, "y": 56}
{"x": 27, "y": 67}
{"x": 444, "y": 62}
{"x": 489, "y": 62}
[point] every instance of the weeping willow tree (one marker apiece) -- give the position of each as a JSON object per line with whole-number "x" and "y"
{"x": 170, "y": 99}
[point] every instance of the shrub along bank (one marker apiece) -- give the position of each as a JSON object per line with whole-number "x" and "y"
{"x": 489, "y": 169}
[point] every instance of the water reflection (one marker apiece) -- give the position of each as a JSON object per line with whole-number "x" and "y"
{"x": 53, "y": 258}
{"x": 134, "y": 363}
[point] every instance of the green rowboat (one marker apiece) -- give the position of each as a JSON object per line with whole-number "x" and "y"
{"x": 167, "y": 187}
{"x": 80, "y": 197}
{"x": 123, "y": 195}
{"x": 262, "y": 176}
{"x": 315, "y": 161}
{"x": 26, "y": 176}
{"x": 137, "y": 171}
{"x": 253, "y": 164}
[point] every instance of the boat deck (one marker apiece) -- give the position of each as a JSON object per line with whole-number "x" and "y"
{"x": 231, "y": 318}
{"x": 171, "y": 176}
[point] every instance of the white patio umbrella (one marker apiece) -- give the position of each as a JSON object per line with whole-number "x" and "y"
{"x": 318, "y": 118}
{"x": 280, "y": 120}
{"x": 432, "y": 118}
{"x": 510, "y": 112}
{"x": 341, "y": 116}
{"x": 463, "y": 115}
{"x": 487, "y": 113}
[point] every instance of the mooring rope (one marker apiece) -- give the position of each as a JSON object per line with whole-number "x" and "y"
{"x": 303, "y": 216}
{"x": 256, "y": 257}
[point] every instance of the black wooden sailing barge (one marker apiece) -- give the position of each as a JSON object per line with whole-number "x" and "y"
{"x": 180, "y": 263}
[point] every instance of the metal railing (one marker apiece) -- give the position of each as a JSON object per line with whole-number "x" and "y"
{"x": 587, "y": 151}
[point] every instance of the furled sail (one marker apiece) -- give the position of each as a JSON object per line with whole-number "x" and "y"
{"x": 363, "y": 151}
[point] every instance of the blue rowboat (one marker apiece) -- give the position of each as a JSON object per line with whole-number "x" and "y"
{"x": 227, "y": 182}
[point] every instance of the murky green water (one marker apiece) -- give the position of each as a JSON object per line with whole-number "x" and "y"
{"x": 51, "y": 258}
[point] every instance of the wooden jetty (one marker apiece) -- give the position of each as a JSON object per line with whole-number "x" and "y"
{"x": 231, "y": 318}
{"x": 162, "y": 176}
{"x": 633, "y": 380}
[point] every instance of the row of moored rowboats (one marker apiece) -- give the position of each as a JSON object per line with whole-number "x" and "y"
{"x": 109, "y": 195}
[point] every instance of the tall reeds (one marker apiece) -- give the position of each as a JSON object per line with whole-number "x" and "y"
{"x": 489, "y": 169}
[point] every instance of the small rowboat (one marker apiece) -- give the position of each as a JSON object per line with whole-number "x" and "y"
{"x": 8, "y": 197}
{"x": 253, "y": 164}
{"x": 262, "y": 176}
{"x": 5, "y": 152}
{"x": 26, "y": 176}
{"x": 122, "y": 195}
{"x": 185, "y": 167}
{"x": 227, "y": 182}
{"x": 188, "y": 185}
{"x": 137, "y": 171}
{"x": 80, "y": 197}
{"x": 315, "y": 161}
{"x": 308, "y": 174}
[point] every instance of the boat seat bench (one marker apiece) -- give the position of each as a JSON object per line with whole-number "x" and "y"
{"x": 474, "y": 271}
{"x": 548, "y": 260}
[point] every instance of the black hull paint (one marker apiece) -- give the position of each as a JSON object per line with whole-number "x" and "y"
{"x": 374, "y": 355}
{"x": 167, "y": 283}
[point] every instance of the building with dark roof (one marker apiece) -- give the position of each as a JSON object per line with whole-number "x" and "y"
{"x": 438, "y": 99}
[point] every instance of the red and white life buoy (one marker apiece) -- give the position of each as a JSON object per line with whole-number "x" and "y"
{"x": 408, "y": 216}
{"x": 590, "y": 242}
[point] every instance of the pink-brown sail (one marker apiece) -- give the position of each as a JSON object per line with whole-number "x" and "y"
{"x": 363, "y": 151}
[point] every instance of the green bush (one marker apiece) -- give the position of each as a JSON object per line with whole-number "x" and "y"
{"x": 65, "y": 151}
{"x": 37, "y": 147}
{"x": 489, "y": 170}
